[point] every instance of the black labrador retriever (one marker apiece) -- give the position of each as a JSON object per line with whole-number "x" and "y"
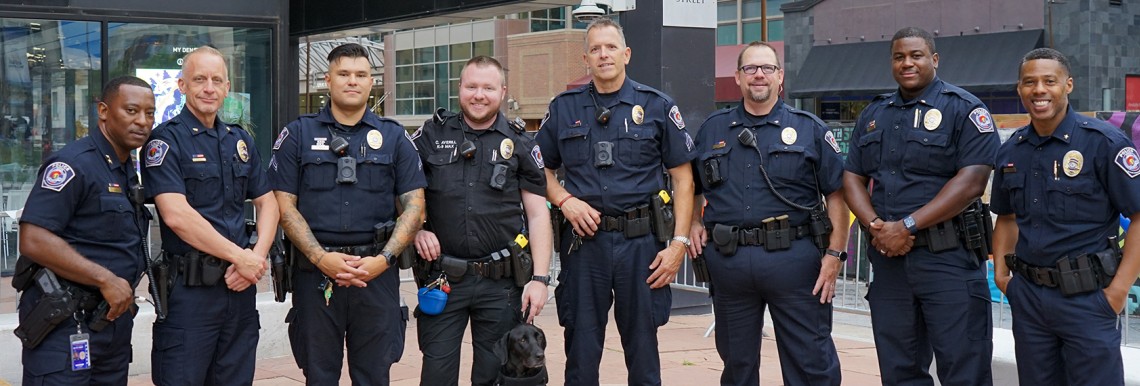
{"x": 522, "y": 352}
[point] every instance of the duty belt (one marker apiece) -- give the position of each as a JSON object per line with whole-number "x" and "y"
{"x": 1042, "y": 276}
{"x": 633, "y": 223}
{"x": 755, "y": 236}
{"x": 495, "y": 266}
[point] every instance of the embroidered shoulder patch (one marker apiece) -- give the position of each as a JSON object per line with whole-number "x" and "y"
{"x": 1129, "y": 161}
{"x": 536, "y": 153}
{"x": 982, "y": 120}
{"x": 675, "y": 115}
{"x": 830, "y": 138}
{"x": 57, "y": 175}
{"x": 281, "y": 138}
{"x": 156, "y": 152}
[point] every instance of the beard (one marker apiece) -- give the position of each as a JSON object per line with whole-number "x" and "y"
{"x": 760, "y": 96}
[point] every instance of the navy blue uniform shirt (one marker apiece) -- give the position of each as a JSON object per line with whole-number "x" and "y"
{"x": 82, "y": 198}
{"x": 216, "y": 167}
{"x": 912, "y": 148}
{"x": 344, "y": 214}
{"x": 1066, "y": 189}
{"x": 469, "y": 216}
{"x": 646, "y": 129}
{"x": 798, "y": 149}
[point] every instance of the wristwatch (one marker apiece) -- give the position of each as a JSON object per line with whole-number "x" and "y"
{"x": 683, "y": 240}
{"x": 390, "y": 257}
{"x": 541, "y": 279}
{"x": 842, "y": 256}
{"x": 908, "y": 222}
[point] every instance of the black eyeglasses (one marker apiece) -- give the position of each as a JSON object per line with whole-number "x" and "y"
{"x": 750, "y": 69}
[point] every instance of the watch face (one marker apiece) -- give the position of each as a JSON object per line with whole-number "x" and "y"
{"x": 908, "y": 222}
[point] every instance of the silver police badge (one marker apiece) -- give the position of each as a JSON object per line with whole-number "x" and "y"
{"x": 243, "y": 150}
{"x": 788, "y": 135}
{"x": 638, "y": 114}
{"x": 375, "y": 139}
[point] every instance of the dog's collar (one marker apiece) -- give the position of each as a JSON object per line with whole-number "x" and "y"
{"x": 538, "y": 379}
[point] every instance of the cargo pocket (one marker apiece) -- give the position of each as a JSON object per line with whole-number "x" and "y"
{"x": 979, "y": 322}
{"x": 662, "y": 302}
{"x": 564, "y": 300}
{"x": 40, "y": 363}
{"x": 300, "y": 354}
{"x": 398, "y": 344}
{"x": 168, "y": 357}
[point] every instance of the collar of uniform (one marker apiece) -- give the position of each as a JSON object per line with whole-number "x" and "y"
{"x": 928, "y": 96}
{"x": 624, "y": 94}
{"x": 186, "y": 118}
{"x": 743, "y": 118}
{"x": 369, "y": 118}
{"x": 1063, "y": 132}
{"x": 104, "y": 146}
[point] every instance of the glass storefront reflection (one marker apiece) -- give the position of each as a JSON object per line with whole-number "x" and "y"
{"x": 51, "y": 68}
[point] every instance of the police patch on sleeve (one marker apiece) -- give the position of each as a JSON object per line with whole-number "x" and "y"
{"x": 982, "y": 120}
{"x": 156, "y": 152}
{"x": 675, "y": 115}
{"x": 281, "y": 138}
{"x": 57, "y": 175}
{"x": 830, "y": 138}
{"x": 1129, "y": 161}
{"x": 536, "y": 153}
{"x": 688, "y": 142}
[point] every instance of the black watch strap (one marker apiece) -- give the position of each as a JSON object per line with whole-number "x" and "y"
{"x": 842, "y": 256}
{"x": 389, "y": 257}
{"x": 541, "y": 279}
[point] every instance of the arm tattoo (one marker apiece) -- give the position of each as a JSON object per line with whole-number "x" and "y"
{"x": 295, "y": 226}
{"x": 409, "y": 222}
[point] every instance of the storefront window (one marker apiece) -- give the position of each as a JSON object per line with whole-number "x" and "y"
{"x": 154, "y": 53}
{"x": 48, "y": 82}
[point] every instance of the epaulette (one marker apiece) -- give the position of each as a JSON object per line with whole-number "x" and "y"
{"x": 813, "y": 117}
{"x": 723, "y": 111}
{"x": 1114, "y": 135}
{"x": 646, "y": 89}
{"x": 882, "y": 96}
{"x": 961, "y": 93}
{"x": 517, "y": 124}
{"x": 442, "y": 115}
{"x": 576, "y": 90}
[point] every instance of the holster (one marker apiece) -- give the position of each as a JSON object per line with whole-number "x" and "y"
{"x": 976, "y": 229}
{"x": 820, "y": 227}
{"x": 407, "y": 257}
{"x": 99, "y": 319}
{"x": 942, "y": 237}
{"x": 421, "y": 269}
{"x": 281, "y": 269}
{"x": 701, "y": 270}
{"x": 522, "y": 265}
{"x": 454, "y": 268}
{"x": 164, "y": 281}
{"x": 725, "y": 237}
{"x": 56, "y": 305}
{"x": 557, "y": 222}
{"x": 661, "y": 215}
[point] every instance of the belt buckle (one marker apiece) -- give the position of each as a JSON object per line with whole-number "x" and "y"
{"x": 1042, "y": 277}
{"x": 477, "y": 267}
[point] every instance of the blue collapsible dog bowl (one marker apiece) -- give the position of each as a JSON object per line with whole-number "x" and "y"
{"x": 432, "y": 300}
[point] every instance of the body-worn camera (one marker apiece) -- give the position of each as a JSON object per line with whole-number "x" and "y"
{"x": 603, "y": 154}
{"x": 710, "y": 171}
{"x": 499, "y": 176}
{"x": 346, "y": 170}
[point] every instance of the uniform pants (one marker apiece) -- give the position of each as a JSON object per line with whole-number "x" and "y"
{"x": 50, "y": 362}
{"x": 611, "y": 270}
{"x": 925, "y": 303}
{"x": 493, "y": 308}
{"x": 1063, "y": 340}
{"x": 209, "y": 337}
{"x": 743, "y": 285}
{"x": 369, "y": 321}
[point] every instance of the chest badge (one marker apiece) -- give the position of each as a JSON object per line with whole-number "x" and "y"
{"x": 375, "y": 139}
{"x": 932, "y": 119}
{"x": 638, "y": 114}
{"x": 788, "y": 135}
{"x": 1073, "y": 162}
{"x": 243, "y": 150}
{"x": 507, "y": 148}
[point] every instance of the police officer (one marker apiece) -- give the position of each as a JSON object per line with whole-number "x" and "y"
{"x": 614, "y": 138}
{"x": 200, "y": 171}
{"x": 929, "y": 148}
{"x": 480, "y": 169}
{"x": 80, "y": 224}
{"x": 1061, "y": 182}
{"x": 337, "y": 175}
{"x": 749, "y": 270}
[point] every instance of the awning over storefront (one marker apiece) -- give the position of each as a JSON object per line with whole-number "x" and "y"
{"x": 978, "y": 63}
{"x": 582, "y": 81}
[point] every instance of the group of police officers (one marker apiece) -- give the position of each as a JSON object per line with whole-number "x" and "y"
{"x": 759, "y": 198}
